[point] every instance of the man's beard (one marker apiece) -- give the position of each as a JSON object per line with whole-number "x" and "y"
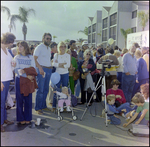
{"x": 46, "y": 43}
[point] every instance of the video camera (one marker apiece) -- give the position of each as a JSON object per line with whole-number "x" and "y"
{"x": 105, "y": 64}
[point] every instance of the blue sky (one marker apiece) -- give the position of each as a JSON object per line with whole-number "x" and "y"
{"x": 60, "y": 18}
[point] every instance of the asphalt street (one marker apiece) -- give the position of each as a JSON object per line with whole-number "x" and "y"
{"x": 90, "y": 131}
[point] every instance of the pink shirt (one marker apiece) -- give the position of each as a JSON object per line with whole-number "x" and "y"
{"x": 117, "y": 92}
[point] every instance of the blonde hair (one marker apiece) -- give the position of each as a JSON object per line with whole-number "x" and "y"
{"x": 138, "y": 53}
{"x": 145, "y": 89}
{"x": 138, "y": 98}
{"x": 124, "y": 50}
{"x": 94, "y": 53}
{"x": 87, "y": 51}
{"x": 110, "y": 97}
{"x": 64, "y": 88}
{"x": 59, "y": 44}
{"x": 117, "y": 53}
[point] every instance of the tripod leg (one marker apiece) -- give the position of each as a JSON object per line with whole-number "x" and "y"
{"x": 104, "y": 84}
{"x": 90, "y": 100}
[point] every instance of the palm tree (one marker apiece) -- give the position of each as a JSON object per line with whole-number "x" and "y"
{"x": 124, "y": 33}
{"x": 143, "y": 18}
{"x": 24, "y": 14}
{"x": 67, "y": 40}
{"x": 4, "y": 8}
{"x": 85, "y": 31}
{"x": 54, "y": 37}
{"x": 12, "y": 18}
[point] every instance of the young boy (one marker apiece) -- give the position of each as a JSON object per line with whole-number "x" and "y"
{"x": 64, "y": 97}
{"x": 111, "y": 109}
{"x": 143, "y": 107}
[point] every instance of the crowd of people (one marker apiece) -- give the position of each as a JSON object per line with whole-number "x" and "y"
{"x": 32, "y": 68}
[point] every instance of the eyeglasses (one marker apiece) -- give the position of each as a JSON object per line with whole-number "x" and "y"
{"x": 88, "y": 54}
{"x": 62, "y": 46}
{"x": 48, "y": 39}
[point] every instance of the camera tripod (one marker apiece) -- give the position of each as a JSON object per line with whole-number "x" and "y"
{"x": 96, "y": 88}
{"x": 103, "y": 74}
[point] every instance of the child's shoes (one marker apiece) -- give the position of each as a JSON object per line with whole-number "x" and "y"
{"x": 68, "y": 108}
{"x": 61, "y": 109}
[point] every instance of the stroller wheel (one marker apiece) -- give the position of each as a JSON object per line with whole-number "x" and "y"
{"x": 59, "y": 118}
{"x": 74, "y": 117}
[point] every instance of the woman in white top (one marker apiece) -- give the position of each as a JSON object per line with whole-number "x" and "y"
{"x": 7, "y": 41}
{"x": 61, "y": 62}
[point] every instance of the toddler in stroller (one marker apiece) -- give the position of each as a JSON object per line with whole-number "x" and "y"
{"x": 64, "y": 97}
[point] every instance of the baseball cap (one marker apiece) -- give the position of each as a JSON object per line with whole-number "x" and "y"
{"x": 84, "y": 43}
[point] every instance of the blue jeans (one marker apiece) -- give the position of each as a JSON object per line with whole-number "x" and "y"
{"x": 77, "y": 90}
{"x": 119, "y": 78}
{"x": 64, "y": 79}
{"x": 3, "y": 101}
{"x": 43, "y": 88}
{"x": 114, "y": 120}
{"x": 24, "y": 104}
{"x": 128, "y": 82}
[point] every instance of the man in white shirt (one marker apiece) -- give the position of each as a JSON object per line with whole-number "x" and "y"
{"x": 42, "y": 56}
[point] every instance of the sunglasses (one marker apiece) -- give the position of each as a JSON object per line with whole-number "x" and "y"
{"x": 62, "y": 46}
{"x": 48, "y": 39}
{"x": 88, "y": 54}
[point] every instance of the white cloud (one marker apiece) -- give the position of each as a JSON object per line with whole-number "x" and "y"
{"x": 60, "y": 18}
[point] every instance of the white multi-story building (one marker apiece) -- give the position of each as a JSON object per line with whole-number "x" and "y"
{"x": 109, "y": 21}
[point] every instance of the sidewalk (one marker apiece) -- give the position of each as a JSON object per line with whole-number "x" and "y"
{"x": 91, "y": 131}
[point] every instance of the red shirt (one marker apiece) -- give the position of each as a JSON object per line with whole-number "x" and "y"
{"x": 117, "y": 92}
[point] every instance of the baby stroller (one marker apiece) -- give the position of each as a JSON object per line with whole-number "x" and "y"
{"x": 74, "y": 117}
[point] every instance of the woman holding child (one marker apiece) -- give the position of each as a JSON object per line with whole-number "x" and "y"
{"x": 85, "y": 67}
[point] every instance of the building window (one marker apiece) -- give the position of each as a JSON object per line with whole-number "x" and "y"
{"x": 93, "y": 38}
{"x": 89, "y": 38}
{"x": 104, "y": 35}
{"x": 133, "y": 30}
{"x": 89, "y": 30}
{"x": 113, "y": 19}
{"x": 94, "y": 27}
{"x": 113, "y": 33}
{"x": 134, "y": 14}
{"x": 105, "y": 23}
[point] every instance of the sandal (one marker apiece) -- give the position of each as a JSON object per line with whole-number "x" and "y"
{"x": 27, "y": 122}
{"x": 40, "y": 112}
{"x": 2, "y": 128}
{"x": 80, "y": 103}
{"x": 8, "y": 122}
{"x": 21, "y": 123}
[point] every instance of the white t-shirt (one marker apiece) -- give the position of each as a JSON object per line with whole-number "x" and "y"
{"x": 44, "y": 55}
{"x": 6, "y": 68}
{"x": 65, "y": 58}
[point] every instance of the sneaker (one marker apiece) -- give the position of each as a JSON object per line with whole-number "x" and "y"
{"x": 68, "y": 109}
{"x": 40, "y": 112}
{"x": 128, "y": 118}
{"x": 61, "y": 109}
{"x": 123, "y": 115}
